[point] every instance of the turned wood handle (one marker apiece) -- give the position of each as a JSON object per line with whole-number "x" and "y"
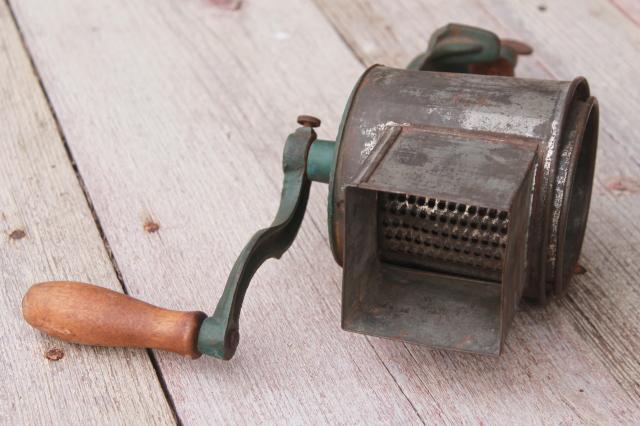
{"x": 91, "y": 315}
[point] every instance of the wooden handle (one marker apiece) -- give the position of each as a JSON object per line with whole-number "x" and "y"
{"x": 91, "y": 315}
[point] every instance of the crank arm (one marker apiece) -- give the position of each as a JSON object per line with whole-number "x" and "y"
{"x": 465, "y": 49}
{"x": 219, "y": 334}
{"x": 88, "y": 314}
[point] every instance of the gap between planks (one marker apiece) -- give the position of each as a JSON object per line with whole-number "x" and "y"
{"x": 369, "y": 389}
{"x": 437, "y": 361}
{"x": 94, "y": 214}
{"x": 40, "y": 192}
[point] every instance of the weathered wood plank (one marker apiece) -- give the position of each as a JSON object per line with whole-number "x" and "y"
{"x": 629, "y": 8}
{"x": 597, "y": 322}
{"x": 47, "y": 230}
{"x": 550, "y": 358}
{"x": 177, "y": 113}
{"x": 603, "y": 46}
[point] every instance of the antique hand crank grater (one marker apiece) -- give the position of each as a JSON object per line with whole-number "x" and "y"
{"x": 452, "y": 195}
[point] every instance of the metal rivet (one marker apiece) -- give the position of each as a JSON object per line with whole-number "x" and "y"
{"x": 308, "y": 121}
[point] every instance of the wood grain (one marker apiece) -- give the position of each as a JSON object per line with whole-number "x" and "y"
{"x": 176, "y": 114}
{"x": 47, "y": 231}
{"x": 92, "y": 315}
{"x": 629, "y": 9}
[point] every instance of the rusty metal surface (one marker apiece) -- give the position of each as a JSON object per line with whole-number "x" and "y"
{"x": 572, "y": 193}
{"x": 525, "y": 111}
{"x": 483, "y": 167}
{"x": 466, "y": 49}
{"x": 308, "y": 121}
{"x": 435, "y": 234}
{"x": 441, "y": 261}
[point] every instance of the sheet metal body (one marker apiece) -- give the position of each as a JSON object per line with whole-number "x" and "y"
{"x": 555, "y": 118}
{"x": 435, "y": 229}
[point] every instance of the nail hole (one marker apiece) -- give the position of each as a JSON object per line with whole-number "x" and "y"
{"x": 17, "y": 234}
{"x": 151, "y": 226}
{"x": 54, "y": 354}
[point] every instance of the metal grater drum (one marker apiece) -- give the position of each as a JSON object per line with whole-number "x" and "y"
{"x": 557, "y": 120}
{"x": 442, "y": 235}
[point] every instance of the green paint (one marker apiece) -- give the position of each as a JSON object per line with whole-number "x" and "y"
{"x": 219, "y": 333}
{"x": 320, "y": 160}
{"x": 454, "y": 47}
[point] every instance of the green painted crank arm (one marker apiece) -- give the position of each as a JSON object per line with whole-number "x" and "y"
{"x": 457, "y": 48}
{"x": 219, "y": 335}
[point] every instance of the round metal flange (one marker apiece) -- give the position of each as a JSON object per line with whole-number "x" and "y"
{"x": 578, "y": 183}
